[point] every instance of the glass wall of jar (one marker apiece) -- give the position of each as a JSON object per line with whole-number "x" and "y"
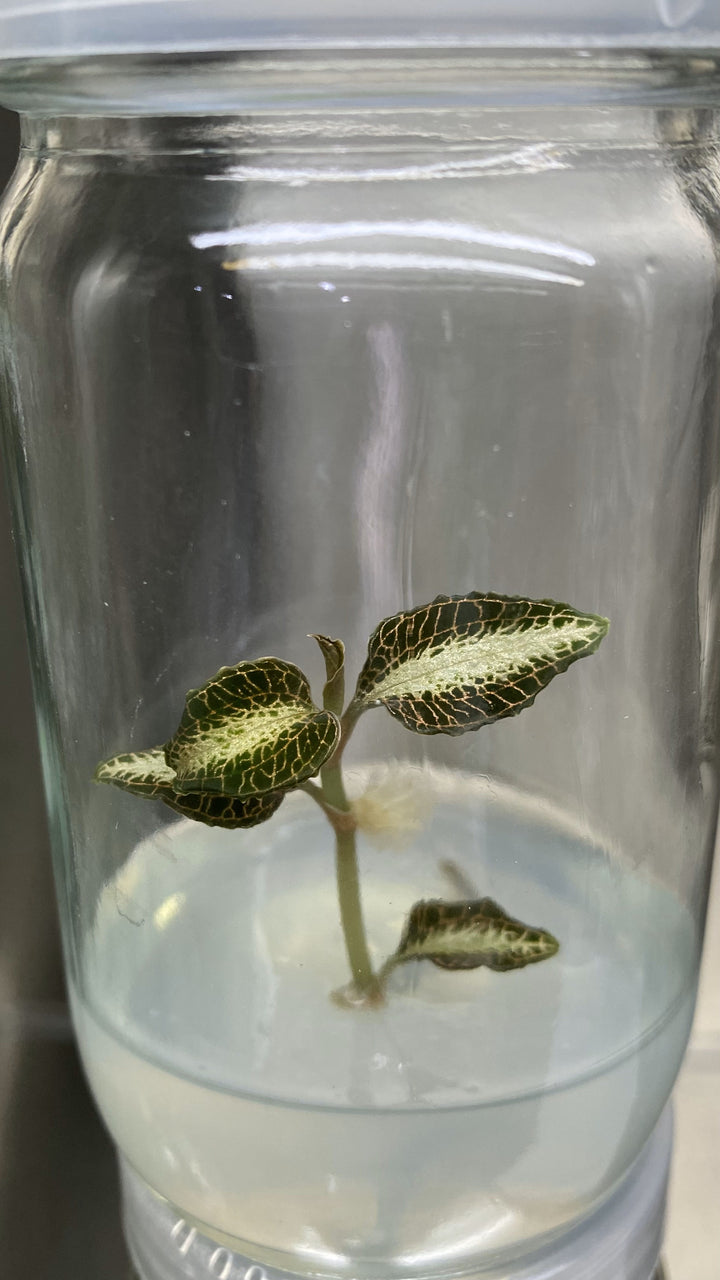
{"x": 279, "y": 373}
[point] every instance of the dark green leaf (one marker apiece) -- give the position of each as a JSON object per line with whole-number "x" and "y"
{"x": 462, "y": 662}
{"x": 145, "y": 773}
{"x": 251, "y": 730}
{"x": 467, "y": 935}
{"x": 216, "y": 810}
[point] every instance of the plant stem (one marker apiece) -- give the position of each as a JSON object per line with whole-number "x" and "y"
{"x": 333, "y": 787}
{"x": 348, "y": 885}
{"x": 348, "y": 882}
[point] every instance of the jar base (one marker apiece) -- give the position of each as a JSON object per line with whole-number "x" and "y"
{"x": 620, "y": 1241}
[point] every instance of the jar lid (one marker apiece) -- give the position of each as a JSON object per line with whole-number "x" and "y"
{"x": 67, "y": 28}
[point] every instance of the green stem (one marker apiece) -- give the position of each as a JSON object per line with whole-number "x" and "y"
{"x": 348, "y": 886}
{"x": 333, "y": 786}
{"x": 385, "y": 970}
{"x": 348, "y": 880}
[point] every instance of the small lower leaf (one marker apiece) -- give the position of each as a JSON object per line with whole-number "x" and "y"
{"x": 468, "y": 935}
{"x": 145, "y": 773}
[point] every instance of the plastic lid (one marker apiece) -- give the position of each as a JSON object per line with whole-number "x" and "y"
{"x": 76, "y": 27}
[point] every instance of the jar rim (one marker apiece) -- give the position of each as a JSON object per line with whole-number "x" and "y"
{"x": 72, "y": 28}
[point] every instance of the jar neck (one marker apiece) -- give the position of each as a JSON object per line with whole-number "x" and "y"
{"x": 356, "y": 80}
{"x": 331, "y": 146}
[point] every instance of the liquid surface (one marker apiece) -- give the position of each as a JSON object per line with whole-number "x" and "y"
{"x": 472, "y": 1114}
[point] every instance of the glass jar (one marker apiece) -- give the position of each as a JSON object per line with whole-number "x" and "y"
{"x": 293, "y": 345}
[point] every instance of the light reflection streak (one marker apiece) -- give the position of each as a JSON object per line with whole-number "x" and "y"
{"x": 398, "y": 261}
{"x": 467, "y": 1240}
{"x": 168, "y": 910}
{"x": 535, "y": 158}
{"x": 381, "y": 471}
{"x": 278, "y": 233}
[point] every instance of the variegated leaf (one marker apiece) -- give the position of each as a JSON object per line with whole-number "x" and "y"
{"x": 462, "y": 662}
{"x": 217, "y": 810}
{"x": 145, "y": 773}
{"x": 467, "y": 935}
{"x": 251, "y": 730}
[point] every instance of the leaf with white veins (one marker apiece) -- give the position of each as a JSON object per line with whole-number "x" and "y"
{"x": 462, "y": 662}
{"x": 468, "y": 935}
{"x": 251, "y": 730}
{"x": 145, "y": 773}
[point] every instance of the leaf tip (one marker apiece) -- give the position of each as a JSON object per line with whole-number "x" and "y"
{"x": 333, "y": 651}
{"x": 102, "y": 772}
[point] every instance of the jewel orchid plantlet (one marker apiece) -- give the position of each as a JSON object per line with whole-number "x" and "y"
{"x": 253, "y": 733}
